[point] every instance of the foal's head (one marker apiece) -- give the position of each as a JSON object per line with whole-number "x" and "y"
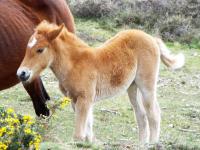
{"x": 39, "y": 53}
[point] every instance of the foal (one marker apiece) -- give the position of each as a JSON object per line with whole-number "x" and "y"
{"x": 127, "y": 62}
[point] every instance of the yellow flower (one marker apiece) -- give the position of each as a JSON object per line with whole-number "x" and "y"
{"x": 27, "y": 131}
{"x": 37, "y": 146}
{"x": 10, "y": 111}
{"x": 27, "y": 118}
{"x": 11, "y": 121}
{"x": 65, "y": 101}
{"x": 10, "y": 130}
{"x": 30, "y": 143}
{"x": 2, "y": 131}
{"x": 3, "y": 146}
{"x": 15, "y": 116}
{"x": 37, "y": 142}
{"x": 30, "y": 122}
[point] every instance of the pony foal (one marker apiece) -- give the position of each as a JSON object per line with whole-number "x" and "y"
{"x": 129, "y": 61}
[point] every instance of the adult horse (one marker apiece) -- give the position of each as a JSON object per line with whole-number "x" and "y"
{"x": 17, "y": 21}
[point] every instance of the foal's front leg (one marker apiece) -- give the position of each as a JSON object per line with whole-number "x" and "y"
{"x": 83, "y": 119}
{"x": 89, "y": 126}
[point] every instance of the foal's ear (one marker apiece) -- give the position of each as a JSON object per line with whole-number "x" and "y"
{"x": 52, "y": 35}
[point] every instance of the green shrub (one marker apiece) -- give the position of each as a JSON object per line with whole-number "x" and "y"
{"x": 17, "y": 131}
{"x": 100, "y": 8}
{"x": 23, "y": 132}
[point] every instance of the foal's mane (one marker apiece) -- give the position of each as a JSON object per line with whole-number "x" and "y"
{"x": 45, "y": 27}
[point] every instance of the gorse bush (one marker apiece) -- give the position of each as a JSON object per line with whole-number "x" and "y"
{"x": 172, "y": 19}
{"x": 100, "y": 8}
{"x": 17, "y": 131}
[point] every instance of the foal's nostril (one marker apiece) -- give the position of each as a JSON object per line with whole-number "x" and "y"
{"x": 24, "y": 76}
{"x": 23, "y": 73}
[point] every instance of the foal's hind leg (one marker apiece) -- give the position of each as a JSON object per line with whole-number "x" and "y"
{"x": 148, "y": 89}
{"x": 136, "y": 101}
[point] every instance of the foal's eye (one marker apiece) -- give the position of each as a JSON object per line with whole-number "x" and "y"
{"x": 40, "y": 50}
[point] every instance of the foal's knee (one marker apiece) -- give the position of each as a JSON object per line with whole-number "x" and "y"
{"x": 153, "y": 112}
{"x": 141, "y": 118}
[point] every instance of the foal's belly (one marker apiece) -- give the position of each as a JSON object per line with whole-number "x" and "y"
{"x": 106, "y": 90}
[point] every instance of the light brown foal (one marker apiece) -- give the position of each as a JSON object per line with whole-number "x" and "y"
{"x": 127, "y": 62}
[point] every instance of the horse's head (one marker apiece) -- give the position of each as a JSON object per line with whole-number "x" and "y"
{"x": 39, "y": 53}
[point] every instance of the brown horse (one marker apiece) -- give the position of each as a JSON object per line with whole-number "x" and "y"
{"x": 17, "y": 21}
{"x": 128, "y": 62}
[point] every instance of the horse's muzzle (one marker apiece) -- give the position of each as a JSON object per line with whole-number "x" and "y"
{"x": 23, "y": 74}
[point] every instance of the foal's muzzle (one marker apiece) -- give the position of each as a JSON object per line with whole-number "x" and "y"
{"x": 23, "y": 74}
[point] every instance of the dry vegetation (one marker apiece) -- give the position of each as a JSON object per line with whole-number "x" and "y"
{"x": 174, "y": 20}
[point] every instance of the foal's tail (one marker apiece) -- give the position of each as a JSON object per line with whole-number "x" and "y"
{"x": 170, "y": 60}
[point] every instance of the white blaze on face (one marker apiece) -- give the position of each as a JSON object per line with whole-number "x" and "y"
{"x": 32, "y": 42}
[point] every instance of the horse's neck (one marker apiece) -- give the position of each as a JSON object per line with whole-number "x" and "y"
{"x": 33, "y": 11}
{"x": 37, "y": 11}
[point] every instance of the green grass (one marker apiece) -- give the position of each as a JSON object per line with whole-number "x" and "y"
{"x": 116, "y": 129}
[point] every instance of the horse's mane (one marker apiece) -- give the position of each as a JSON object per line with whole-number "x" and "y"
{"x": 45, "y": 27}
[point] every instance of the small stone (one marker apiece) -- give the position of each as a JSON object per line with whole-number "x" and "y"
{"x": 183, "y": 82}
{"x": 195, "y": 54}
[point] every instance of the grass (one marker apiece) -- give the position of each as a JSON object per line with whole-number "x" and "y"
{"x": 116, "y": 129}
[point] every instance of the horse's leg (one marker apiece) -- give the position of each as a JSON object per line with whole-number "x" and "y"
{"x": 140, "y": 113}
{"x": 46, "y": 95}
{"x": 148, "y": 89}
{"x": 83, "y": 111}
{"x": 38, "y": 95}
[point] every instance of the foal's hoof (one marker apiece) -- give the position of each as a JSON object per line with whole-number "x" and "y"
{"x": 91, "y": 139}
{"x": 157, "y": 146}
{"x": 79, "y": 138}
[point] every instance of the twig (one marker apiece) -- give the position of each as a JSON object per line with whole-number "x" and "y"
{"x": 185, "y": 93}
{"x": 110, "y": 111}
{"x": 187, "y": 130}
